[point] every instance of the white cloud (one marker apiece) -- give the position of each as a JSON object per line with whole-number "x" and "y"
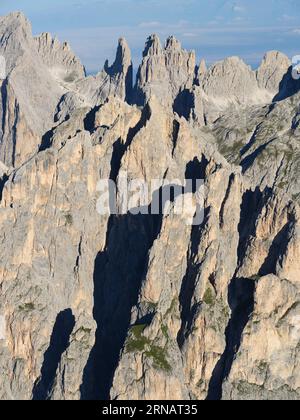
{"x": 153, "y": 24}
{"x": 238, "y": 9}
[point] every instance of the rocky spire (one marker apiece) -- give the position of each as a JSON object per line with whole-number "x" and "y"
{"x": 121, "y": 71}
{"x": 152, "y": 46}
{"x": 29, "y": 94}
{"x": 164, "y": 72}
{"x": 272, "y": 72}
{"x": 15, "y": 37}
{"x": 202, "y": 69}
{"x": 123, "y": 59}
{"x": 173, "y": 44}
{"x": 230, "y": 80}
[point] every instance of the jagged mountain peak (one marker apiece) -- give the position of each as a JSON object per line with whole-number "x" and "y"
{"x": 232, "y": 81}
{"x": 275, "y": 65}
{"x": 18, "y": 18}
{"x": 274, "y": 55}
{"x": 15, "y": 28}
{"x": 164, "y": 72}
{"x": 15, "y": 37}
{"x": 230, "y": 63}
{"x": 202, "y": 67}
{"x": 152, "y": 46}
{"x": 172, "y": 43}
{"x": 123, "y": 58}
{"x": 61, "y": 61}
{"x": 52, "y": 42}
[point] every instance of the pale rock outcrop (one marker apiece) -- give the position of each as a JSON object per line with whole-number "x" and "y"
{"x": 264, "y": 141}
{"x": 29, "y": 94}
{"x": 52, "y": 265}
{"x": 270, "y": 370}
{"x": 164, "y": 72}
{"x": 60, "y": 59}
{"x": 3, "y": 169}
{"x": 113, "y": 81}
{"x": 230, "y": 84}
{"x": 202, "y": 69}
{"x": 272, "y": 70}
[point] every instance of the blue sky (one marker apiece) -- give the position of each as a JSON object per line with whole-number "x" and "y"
{"x": 214, "y": 28}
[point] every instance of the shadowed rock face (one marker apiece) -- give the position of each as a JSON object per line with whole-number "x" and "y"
{"x": 137, "y": 306}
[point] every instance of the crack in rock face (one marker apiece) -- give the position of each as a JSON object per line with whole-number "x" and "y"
{"x": 141, "y": 305}
{"x": 2, "y": 328}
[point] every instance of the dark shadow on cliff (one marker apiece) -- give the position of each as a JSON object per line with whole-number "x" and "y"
{"x": 118, "y": 275}
{"x": 252, "y": 205}
{"x": 59, "y": 343}
{"x": 288, "y": 87}
{"x": 251, "y": 142}
{"x": 241, "y": 302}
{"x": 184, "y": 103}
{"x": 3, "y": 181}
{"x": 241, "y": 291}
{"x": 278, "y": 248}
{"x": 175, "y": 134}
{"x": 90, "y": 118}
{"x": 248, "y": 161}
{"x": 117, "y": 69}
{"x": 46, "y": 142}
{"x": 4, "y": 94}
{"x": 188, "y": 309}
{"x": 195, "y": 170}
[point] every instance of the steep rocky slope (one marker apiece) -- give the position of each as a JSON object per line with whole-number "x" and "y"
{"x": 136, "y": 306}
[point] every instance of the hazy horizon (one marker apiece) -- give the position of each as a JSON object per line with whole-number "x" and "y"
{"x": 215, "y": 30}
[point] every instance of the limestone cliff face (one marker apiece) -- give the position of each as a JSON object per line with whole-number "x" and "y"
{"x": 273, "y": 69}
{"x": 137, "y": 306}
{"x": 29, "y": 94}
{"x": 165, "y": 72}
{"x": 62, "y": 62}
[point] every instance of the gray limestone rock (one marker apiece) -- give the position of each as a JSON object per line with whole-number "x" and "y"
{"x": 164, "y": 72}
{"x": 59, "y": 58}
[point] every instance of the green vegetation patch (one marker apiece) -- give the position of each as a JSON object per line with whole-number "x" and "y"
{"x": 200, "y": 383}
{"x": 209, "y": 297}
{"x": 84, "y": 330}
{"x": 69, "y": 219}
{"x": 27, "y": 307}
{"x": 165, "y": 331}
{"x": 159, "y": 356}
{"x": 137, "y": 341}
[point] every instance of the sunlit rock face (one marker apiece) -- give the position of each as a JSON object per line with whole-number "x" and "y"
{"x": 147, "y": 306}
